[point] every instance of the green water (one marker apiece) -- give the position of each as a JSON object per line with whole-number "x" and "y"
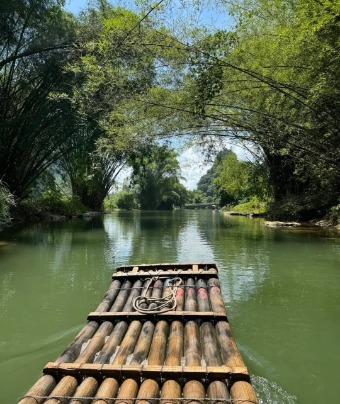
{"x": 281, "y": 288}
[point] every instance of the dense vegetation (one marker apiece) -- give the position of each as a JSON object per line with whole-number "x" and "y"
{"x": 236, "y": 185}
{"x": 83, "y": 96}
{"x": 154, "y": 183}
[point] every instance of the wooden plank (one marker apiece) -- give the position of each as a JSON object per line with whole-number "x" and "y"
{"x": 173, "y": 265}
{"x": 146, "y": 371}
{"x": 169, "y": 315}
{"x": 147, "y": 274}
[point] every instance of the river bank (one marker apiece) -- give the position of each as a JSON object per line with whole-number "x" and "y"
{"x": 325, "y": 222}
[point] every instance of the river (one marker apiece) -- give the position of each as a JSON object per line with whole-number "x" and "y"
{"x": 281, "y": 288}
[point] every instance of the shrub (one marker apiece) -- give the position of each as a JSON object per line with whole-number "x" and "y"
{"x": 6, "y": 201}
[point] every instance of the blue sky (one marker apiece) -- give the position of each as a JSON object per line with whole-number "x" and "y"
{"x": 75, "y": 5}
{"x": 205, "y": 14}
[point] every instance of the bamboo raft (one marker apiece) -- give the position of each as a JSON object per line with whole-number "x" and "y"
{"x": 160, "y": 335}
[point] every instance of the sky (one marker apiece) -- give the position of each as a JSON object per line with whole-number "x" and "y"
{"x": 192, "y": 160}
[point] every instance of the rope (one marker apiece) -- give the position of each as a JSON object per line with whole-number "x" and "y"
{"x": 159, "y": 304}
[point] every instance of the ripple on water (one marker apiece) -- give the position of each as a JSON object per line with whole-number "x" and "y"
{"x": 269, "y": 392}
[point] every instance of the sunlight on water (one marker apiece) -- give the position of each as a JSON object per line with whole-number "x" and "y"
{"x": 270, "y": 393}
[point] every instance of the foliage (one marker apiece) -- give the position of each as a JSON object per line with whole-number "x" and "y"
{"x": 49, "y": 204}
{"x": 86, "y": 92}
{"x": 253, "y": 206}
{"x": 278, "y": 87}
{"x": 6, "y": 202}
{"x": 334, "y": 215}
{"x": 112, "y": 70}
{"x": 124, "y": 199}
{"x": 36, "y": 120}
{"x": 156, "y": 175}
{"x": 91, "y": 169}
{"x": 240, "y": 180}
{"x": 196, "y": 196}
{"x": 206, "y": 183}
{"x": 233, "y": 178}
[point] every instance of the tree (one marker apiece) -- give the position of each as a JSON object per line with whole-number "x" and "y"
{"x": 36, "y": 119}
{"x": 206, "y": 183}
{"x": 269, "y": 83}
{"x": 273, "y": 82}
{"x": 196, "y": 196}
{"x": 156, "y": 175}
{"x": 91, "y": 169}
{"x": 233, "y": 179}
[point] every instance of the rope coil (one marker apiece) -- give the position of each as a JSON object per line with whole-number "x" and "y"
{"x": 159, "y": 304}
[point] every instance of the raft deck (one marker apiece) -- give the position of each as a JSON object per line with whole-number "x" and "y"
{"x": 160, "y": 335}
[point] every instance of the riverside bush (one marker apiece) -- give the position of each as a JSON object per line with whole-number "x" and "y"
{"x": 252, "y": 206}
{"x": 6, "y": 201}
{"x": 49, "y": 204}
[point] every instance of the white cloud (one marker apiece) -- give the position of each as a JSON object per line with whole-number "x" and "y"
{"x": 193, "y": 166}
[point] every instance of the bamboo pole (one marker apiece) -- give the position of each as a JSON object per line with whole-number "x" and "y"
{"x": 180, "y": 298}
{"x": 244, "y": 392}
{"x": 64, "y": 389}
{"x": 122, "y": 297}
{"x": 112, "y": 343}
{"x": 135, "y": 292}
{"x": 127, "y": 390}
{"x": 202, "y": 296}
{"x": 167, "y": 289}
{"x": 128, "y": 344}
{"x": 41, "y": 388}
{"x": 194, "y": 391}
{"x": 149, "y": 389}
{"x": 229, "y": 353}
{"x": 170, "y": 390}
{"x": 190, "y": 296}
{"x": 192, "y": 349}
{"x": 110, "y": 296}
{"x": 209, "y": 344}
{"x": 96, "y": 343}
{"x": 175, "y": 347}
{"x": 143, "y": 344}
{"x": 216, "y": 299}
{"x": 158, "y": 345}
{"x": 147, "y": 290}
{"x": 156, "y": 292}
{"x": 194, "y": 388}
{"x": 108, "y": 388}
{"x": 240, "y": 390}
{"x": 46, "y": 383}
{"x": 73, "y": 350}
{"x": 87, "y": 388}
{"x": 217, "y": 390}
